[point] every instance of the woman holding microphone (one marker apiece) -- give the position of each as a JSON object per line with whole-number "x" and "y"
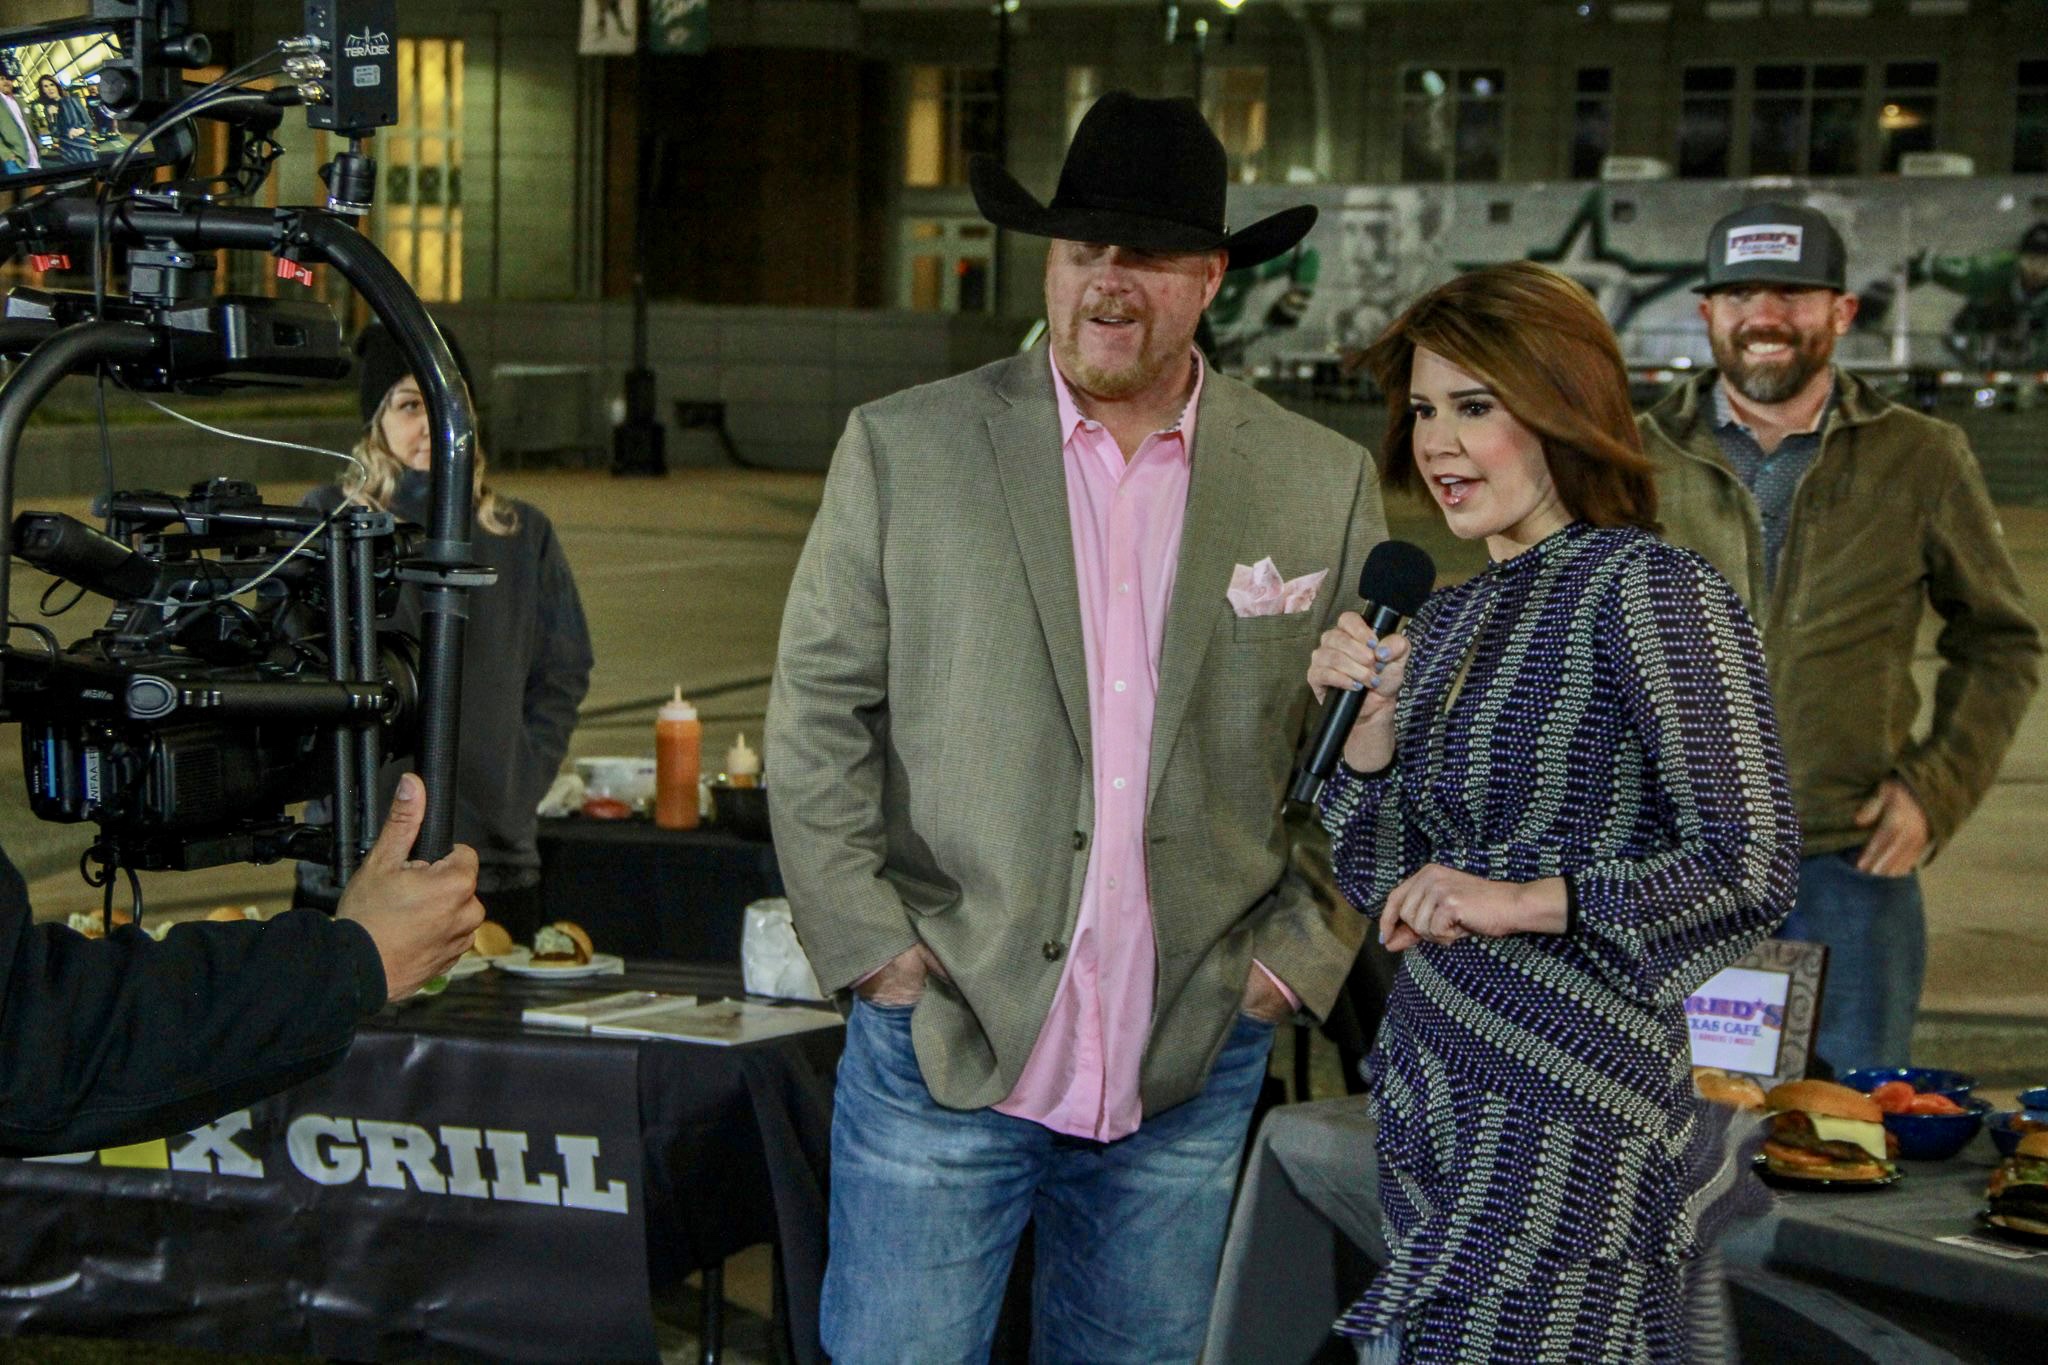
{"x": 1565, "y": 803}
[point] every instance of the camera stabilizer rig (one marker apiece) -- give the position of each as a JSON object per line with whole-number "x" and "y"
{"x": 241, "y": 668}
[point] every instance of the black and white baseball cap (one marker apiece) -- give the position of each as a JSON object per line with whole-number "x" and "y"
{"x": 1775, "y": 243}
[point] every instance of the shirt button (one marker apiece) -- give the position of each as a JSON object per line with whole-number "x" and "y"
{"x": 1119, "y": 684}
{"x": 1080, "y": 840}
{"x": 1054, "y": 951}
{"x": 1123, "y": 587}
{"x": 1112, "y": 883}
{"x": 1118, "y": 784}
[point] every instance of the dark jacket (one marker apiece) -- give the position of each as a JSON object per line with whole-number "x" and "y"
{"x": 109, "y": 1042}
{"x": 1892, "y": 516}
{"x": 525, "y": 669}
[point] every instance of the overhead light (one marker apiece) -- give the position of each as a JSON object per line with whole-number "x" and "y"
{"x": 1232, "y": 5}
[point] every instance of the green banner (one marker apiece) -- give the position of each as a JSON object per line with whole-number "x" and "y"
{"x": 678, "y": 26}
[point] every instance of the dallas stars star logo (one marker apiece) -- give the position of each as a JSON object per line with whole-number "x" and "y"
{"x": 1621, "y": 283}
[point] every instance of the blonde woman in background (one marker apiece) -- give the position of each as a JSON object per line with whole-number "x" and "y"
{"x": 526, "y": 653}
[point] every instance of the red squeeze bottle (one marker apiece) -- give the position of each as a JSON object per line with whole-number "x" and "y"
{"x": 678, "y": 741}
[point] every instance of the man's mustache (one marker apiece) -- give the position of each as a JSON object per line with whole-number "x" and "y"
{"x": 1792, "y": 339}
{"x": 1110, "y": 310}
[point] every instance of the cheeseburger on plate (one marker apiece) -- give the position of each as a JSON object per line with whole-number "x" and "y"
{"x": 561, "y": 944}
{"x": 2018, "y": 1195}
{"x": 1823, "y": 1131}
{"x": 95, "y": 926}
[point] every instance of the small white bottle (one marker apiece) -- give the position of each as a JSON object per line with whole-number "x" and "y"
{"x": 742, "y": 765}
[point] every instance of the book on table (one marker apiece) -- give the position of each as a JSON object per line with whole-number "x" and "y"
{"x": 590, "y": 1010}
{"x": 721, "y": 1023}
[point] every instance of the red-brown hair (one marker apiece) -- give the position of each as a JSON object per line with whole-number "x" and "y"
{"x": 1537, "y": 340}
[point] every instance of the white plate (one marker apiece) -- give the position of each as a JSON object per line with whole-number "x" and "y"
{"x": 520, "y": 962}
{"x": 467, "y": 965}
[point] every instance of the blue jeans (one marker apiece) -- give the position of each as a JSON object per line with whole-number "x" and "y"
{"x": 1384, "y": 1349}
{"x": 928, "y": 1204}
{"x": 1876, "y": 936}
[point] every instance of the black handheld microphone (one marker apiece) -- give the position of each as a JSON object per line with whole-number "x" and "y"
{"x": 1396, "y": 578}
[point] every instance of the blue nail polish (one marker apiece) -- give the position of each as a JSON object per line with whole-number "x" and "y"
{"x": 1382, "y": 652}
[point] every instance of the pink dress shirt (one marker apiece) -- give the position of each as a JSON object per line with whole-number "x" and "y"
{"x": 1082, "y": 1076}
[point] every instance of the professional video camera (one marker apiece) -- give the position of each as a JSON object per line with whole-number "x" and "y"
{"x": 241, "y": 669}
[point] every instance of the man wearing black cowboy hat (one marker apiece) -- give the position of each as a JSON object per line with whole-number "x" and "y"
{"x": 1035, "y": 707}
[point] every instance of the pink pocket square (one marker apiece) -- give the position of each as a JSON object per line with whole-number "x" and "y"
{"x": 1258, "y": 590}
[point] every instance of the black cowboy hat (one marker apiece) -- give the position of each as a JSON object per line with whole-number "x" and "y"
{"x": 1141, "y": 173}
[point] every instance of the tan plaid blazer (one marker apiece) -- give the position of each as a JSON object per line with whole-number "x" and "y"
{"x": 928, "y": 751}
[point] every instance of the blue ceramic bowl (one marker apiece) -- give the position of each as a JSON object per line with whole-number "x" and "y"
{"x": 1954, "y": 1084}
{"x": 1937, "y": 1137}
{"x": 2005, "y": 1139}
{"x": 2037, "y": 1098}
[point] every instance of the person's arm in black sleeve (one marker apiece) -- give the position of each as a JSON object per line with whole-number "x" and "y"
{"x": 106, "y": 1042}
{"x": 559, "y": 677}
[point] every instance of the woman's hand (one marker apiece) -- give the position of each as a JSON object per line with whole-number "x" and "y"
{"x": 1353, "y": 658}
{"x": 1442, "y": 905}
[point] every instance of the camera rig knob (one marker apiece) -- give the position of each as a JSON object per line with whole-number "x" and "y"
{"x": 351, "y": 180}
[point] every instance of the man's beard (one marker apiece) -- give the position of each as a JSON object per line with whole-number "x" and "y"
{"x": 1098, "y": 381}
{"x": 1773, "y": 381}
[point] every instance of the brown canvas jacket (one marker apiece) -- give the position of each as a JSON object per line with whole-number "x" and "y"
{"x": 1892, "y": 516}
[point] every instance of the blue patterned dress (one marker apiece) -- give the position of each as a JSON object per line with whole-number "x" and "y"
{"x": 1595, "y": 708}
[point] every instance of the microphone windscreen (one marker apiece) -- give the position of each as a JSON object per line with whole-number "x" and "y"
{"x": 1397, "y": 575}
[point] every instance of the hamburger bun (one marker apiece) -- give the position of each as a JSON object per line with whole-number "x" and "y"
{"x": 576, "y": 931}
{"x": 227, "y": 914}
{"x": 2033, "y": 1145}
{"x": 1824, "y": 1098}
{"x": 491, "y": 939}
{"x": 1724, "y": 1087}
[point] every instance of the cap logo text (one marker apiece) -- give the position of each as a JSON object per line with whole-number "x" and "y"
{"x": 1764, "y": 242}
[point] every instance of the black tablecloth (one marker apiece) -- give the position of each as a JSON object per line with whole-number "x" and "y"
{"x": 644, "y": 891}
{"x": 343, "y": 1232}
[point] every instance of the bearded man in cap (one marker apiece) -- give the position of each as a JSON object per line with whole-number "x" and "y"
{"x": 1035, "y": 707}
{"x": 1841, "y": 516}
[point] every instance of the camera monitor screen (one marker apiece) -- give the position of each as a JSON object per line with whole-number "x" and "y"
{"x": 52, "y": 125}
